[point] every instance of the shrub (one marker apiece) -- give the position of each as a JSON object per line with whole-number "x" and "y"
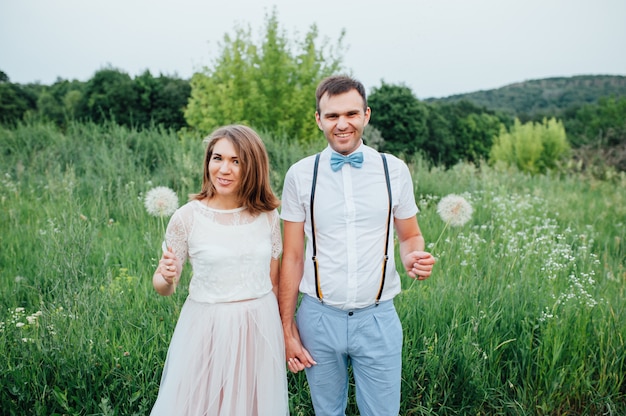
{"x": 531, "y": 147}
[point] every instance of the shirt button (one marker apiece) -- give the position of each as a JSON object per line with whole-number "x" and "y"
{"x": 350, "y": 313}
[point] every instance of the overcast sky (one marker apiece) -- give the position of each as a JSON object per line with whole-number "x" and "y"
{"x": 436, "y": 47}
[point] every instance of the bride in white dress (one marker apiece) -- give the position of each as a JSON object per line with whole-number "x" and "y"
{"x": 227, "y": 354}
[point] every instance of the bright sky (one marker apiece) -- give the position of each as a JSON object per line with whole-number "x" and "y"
{"x": 436, "y": 47}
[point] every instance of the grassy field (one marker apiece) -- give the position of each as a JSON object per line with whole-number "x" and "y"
{"x": 524, "y": 314}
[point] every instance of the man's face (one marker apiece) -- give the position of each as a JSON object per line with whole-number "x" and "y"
{"x": 342, "y": 119}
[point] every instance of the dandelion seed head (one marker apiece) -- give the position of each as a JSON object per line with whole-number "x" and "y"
{"x": 454, "y": 210}
{"x": 161, "y": 201}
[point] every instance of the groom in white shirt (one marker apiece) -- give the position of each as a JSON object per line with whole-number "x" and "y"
{"x": 347, "y": 201}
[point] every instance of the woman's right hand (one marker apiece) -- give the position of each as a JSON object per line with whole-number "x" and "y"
{"x": 168, "y": 267}
{"x": 167, "y": 273}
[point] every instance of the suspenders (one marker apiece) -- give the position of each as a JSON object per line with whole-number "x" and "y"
{"x": 318, "y": 287}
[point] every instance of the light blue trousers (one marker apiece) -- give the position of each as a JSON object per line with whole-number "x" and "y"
{"x": 369, "y": 339}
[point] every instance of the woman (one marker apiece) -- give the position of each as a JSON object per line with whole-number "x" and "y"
{"x": 227, "y": 355}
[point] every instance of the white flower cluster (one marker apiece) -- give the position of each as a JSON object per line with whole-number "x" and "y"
{"x": 18, "y": 316}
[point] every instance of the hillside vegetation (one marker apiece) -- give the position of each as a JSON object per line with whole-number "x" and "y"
{"x": 548, "y": 96}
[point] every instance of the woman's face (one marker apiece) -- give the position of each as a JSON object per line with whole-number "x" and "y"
{"x": 225, "y": 169}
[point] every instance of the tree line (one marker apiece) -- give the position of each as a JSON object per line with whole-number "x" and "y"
{"x": 110, "y": 95}
{"x": 268, "y": 82}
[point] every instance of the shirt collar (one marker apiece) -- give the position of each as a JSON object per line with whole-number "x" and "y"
{"x": 358, "y": 149}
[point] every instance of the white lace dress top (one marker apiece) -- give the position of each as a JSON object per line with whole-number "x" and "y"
{"x": 229, "y": 250}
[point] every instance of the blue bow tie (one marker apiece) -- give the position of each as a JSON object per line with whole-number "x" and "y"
{"x": 337, "y": 160}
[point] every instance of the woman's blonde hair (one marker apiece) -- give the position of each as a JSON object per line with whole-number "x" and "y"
{"x": 255, "y": 192}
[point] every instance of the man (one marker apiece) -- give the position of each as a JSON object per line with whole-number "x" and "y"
{"x": 346, "y": 316}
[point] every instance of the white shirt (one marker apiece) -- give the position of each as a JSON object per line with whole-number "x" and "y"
{"x": 230, "y": 251}
{"x": 351, "y": 207}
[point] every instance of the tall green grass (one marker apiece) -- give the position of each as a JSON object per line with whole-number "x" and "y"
{"x": 524, "y": 313}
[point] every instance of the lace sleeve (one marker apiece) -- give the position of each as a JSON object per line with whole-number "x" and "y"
{"x": 277, "y": 241}
{"x": 178, "y": 230}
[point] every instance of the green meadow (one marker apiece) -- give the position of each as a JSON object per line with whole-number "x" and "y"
{"x": 525, "y": 313}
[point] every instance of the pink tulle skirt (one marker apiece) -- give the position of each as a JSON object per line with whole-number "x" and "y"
{"x": 225, "y": 359}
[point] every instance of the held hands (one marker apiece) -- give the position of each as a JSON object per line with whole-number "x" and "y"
{"x": 419, "y": 264}
{"x": 298, "y": 358}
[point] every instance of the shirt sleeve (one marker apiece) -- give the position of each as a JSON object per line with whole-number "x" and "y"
{"x": 177, "y": 233}
{"x": 291, "y": 206}
{"x": 406, "y": 207}
{"x": 277, "y": 242}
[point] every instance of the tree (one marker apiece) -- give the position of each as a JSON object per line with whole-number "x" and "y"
{"x": 15, "y": 101}
{"x": 440, "y": 147}
{"x": 71, "y": 103}
{"x": 598, "y": 131}
{"x": 269, "y": 85}
{"x": 460, "y": 131}
{"x": 169, "y": 102}
{"x": 110, "y": 95}
{"x": 67, "y": 96}
{"x": 602, "y": 124}
{"x": 445, "y": 133}
{"x": 400, "y": 117}
{"x": 49, "y": 108}
{"x": 531, "y": 147}
{"x": 158, "y": 101}
{"x": 480, "y": 130}
{"x": 146, "y": 87}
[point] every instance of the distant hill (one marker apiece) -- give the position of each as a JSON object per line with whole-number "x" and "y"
{"x": 548, "y": 96}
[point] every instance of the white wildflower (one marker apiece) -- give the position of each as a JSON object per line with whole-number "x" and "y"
{"x": 454, "y": 210}
{"x": 161, "y": 201}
